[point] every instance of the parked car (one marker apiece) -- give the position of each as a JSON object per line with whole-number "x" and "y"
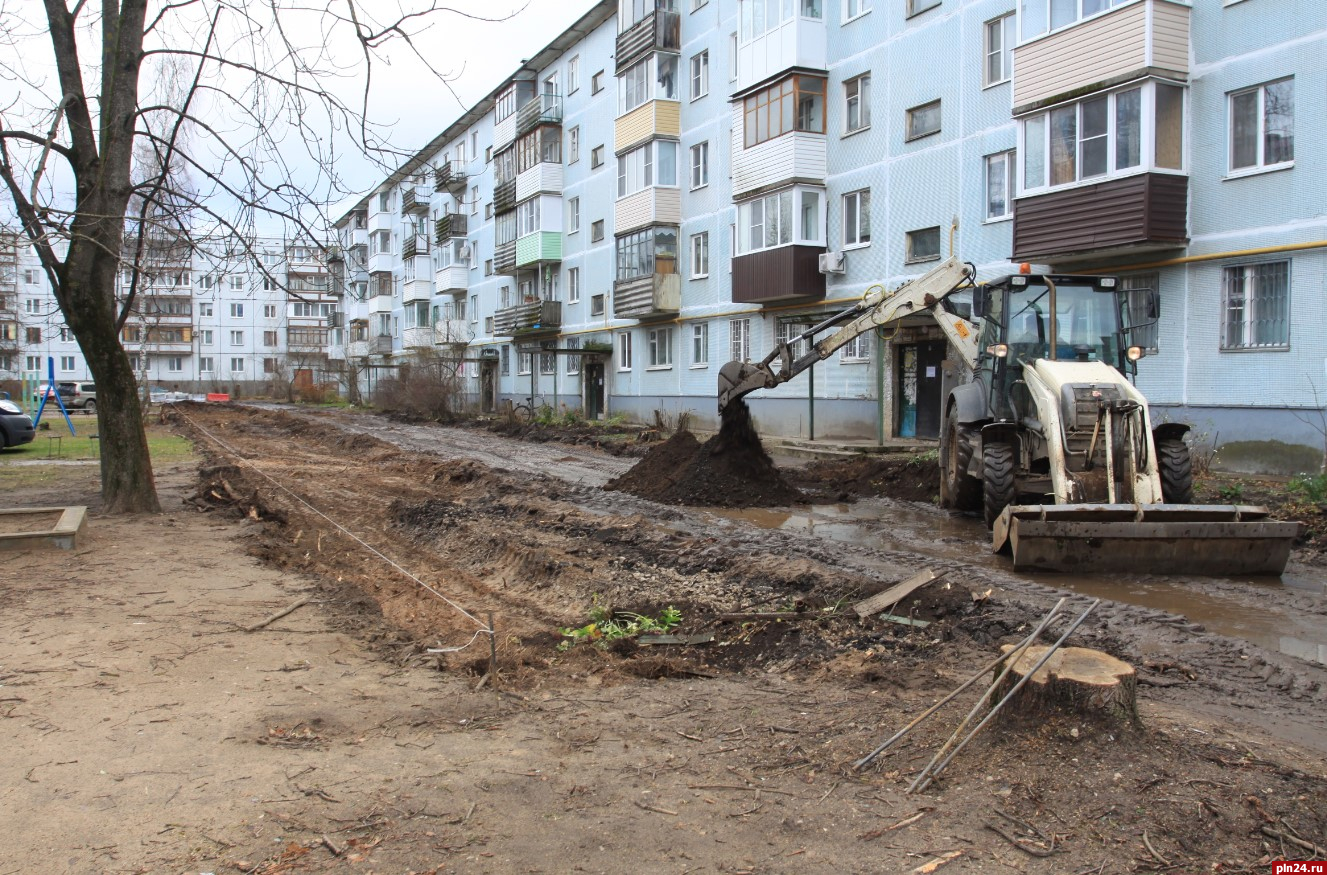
{"x": 76, "y": 395}
{"x": 15, "y": 425}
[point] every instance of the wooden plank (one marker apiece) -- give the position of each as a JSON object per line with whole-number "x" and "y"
{"x": 895, "y": 594}
{"x": 648, "y": 640}
{"x": 905, "y": 621}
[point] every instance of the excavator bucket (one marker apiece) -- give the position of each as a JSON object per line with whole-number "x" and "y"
{"x": 1207, "y": 540}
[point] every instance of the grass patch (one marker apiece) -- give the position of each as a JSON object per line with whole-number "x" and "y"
{"x": 37, "y": 465}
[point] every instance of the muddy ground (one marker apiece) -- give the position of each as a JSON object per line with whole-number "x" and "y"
{"x": 147, "y": 731}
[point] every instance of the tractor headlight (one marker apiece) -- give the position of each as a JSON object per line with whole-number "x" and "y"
{"x": 999, "y": 350}
{"x": 1134, "y": 353}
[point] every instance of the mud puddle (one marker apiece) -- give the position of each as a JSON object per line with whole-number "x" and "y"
{"x": 1236, "y": 609}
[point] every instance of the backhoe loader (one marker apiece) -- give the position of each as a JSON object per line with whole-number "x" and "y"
{"x": 1050, "y": 440}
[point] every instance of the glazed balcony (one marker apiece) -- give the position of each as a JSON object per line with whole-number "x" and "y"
{"x": 660, "y": 29}
{"x": 544, "y": 109}
{"x": 648, "y": 297}
{"x": 1145, "y": 37}
{"x": 449, "y": 226}
{"x": 1142, "y": 213}
{"x": 534, "y": 317}
{"x": 781, "y": 274}
{"x": 307, "y": 340}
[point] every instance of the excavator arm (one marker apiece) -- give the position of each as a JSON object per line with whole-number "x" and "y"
{"x": 878, "y": 307}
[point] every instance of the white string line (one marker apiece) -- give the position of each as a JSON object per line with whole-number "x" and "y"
{"x": 483, "y": 627}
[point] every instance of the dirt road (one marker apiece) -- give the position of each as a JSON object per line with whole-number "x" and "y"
{"x": 147, "y": 732}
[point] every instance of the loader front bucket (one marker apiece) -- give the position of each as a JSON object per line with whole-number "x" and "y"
{"x": 1208, "y": 540}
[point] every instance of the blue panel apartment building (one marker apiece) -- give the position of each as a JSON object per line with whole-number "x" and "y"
{"x": 673, "y": 184}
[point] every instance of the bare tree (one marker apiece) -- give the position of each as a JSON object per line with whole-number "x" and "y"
{"x": 247, "y": 110}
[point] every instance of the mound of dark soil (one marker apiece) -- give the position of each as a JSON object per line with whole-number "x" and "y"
{"x": 901, "y": 476}
{"x": 730, "y": 469}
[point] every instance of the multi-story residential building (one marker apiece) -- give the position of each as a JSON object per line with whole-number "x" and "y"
{"x": 673, "y": 184}
{"x": 209, "y": 314}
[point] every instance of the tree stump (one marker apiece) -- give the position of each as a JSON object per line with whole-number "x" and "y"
{"x": 1074, "y": 678}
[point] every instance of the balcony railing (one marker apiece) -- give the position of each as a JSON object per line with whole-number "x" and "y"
{"x": 450, "y": 176}
{"x": 449, "y": 226}
{"x": 380, "y": 345}
{"x": 658, "y": 30}
{"x": 413, "y": 245}
{"x": 411, "y": 202}
{"x": 528, "y": 318}
{"x": 504, "y": 196}
{"x": 647, "y": 297}
{"x": 504, "y": 258}
{"x": 544, "y": 109}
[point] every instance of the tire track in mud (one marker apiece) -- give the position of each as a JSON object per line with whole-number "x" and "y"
{"x": 579, "y": 541}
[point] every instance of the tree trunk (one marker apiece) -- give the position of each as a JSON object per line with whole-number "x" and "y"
{"x": 1074, "y": 678}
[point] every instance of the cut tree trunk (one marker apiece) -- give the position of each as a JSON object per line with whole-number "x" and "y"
{"x": 1074, "y": 679}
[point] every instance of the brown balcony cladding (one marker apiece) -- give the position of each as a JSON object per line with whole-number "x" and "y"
{"x": 660, "y": 29}
{"x": 449, "y": 226}
{"x": 1143, "y": 212}
{"x": 531, "y": 318}
{"x": 504, "y": 196}
{"x": 411, "y": 202}
{"x": 413, "y": 245}
{"x": 781, "y": 274}
{"x": 647, "y": 297}
{"x": 449, "y": 176}
{"x": 544, "y": 109}
{"x": 504, "y": 258}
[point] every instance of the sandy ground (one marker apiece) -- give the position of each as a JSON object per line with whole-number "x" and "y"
{"x": 146, "y": 731}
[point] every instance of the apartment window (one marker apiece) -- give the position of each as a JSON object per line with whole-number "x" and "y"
{"x": 269, "y": 311}
{"x": 1042, "y": 16}
{"x": 923, "y": 245}
{"x": 854, "y": 8}
{"x": 857, "y": 104}
{"x": 237, "y": 311}
{"x": 858, "y": 349}
{"x": 740, "y": 339}
{"x": 596, "y": 157}
{"x": 999, "y": 50}
{"x": 597, "y": 231}
{"x": 596, "y": 305}
{"x": 700, "y": 165}
{"x": 700, "y": 255}
{"x": 788, "y": 216}
{"x": 999, "y": 185}
{"x": 237, "y": 338}
{"x": 269, "y": 366}
{"x": 700, "y": 344}
{"x": 597, "y": 82}
{"x": 205, "y": 309}
{"x": 573, "y": 361}
{"x": 174, "y": 363}
{"x": 474, "y": 200}
{"x": 732, "y": 56}
{"x": 573, "y": 144}
{"x": 524, "y": 362}
{"x": 506, "y": 104}
{"x": 205, "y": 364}
{"x": 527, "y": 217}
{"x": 696, "y": 4}
{"x": 34, "y": 363}
{"x": 548, "y": 363}
{"x": 700, "y": 75}
{"x": 573, "y": 215}
{"x": 574, "y": 75}
{"x": 1262, "y": 126}
{"x": 759, "y": 18}
{"x": 646, "y": 252}
{"x": 269, "y": 338}
{"x": 30, "y": 276}
{"x": 66, "y": 335}
{"x": 237, "y": 365}
{"x": 66, "y": 362}
{"x": 660, "y": 342}
{"x": 205, "y": 337}
{"x": 924, "y": 120}
{"x": 474, "y": 308}
{"x": 1104, "y": 136}
{"x": 506, "y": 360}
{"x": 269, "y": 284}
{"x": 32, "y": 306}
{"x": 1256, "y": 303}
{"x": 624, "y": 351}
{"x": 653, "y": 164}
{"x": 573, "y": 285}
{"x": 384, "y": 201}
{"x": 857, "y": 218}
{"x": 795, "y": 104}
{"x": 652, "y": 78}
{"x": 1136, "y": 288}
{"x": 786, "y": 332}
{"x": 488, "y": 155}
{"x": 236, "y": 283}
{"x": 917, "y": 7}
{"x": 488, "y": 210}
{"x": 488, "y": 267}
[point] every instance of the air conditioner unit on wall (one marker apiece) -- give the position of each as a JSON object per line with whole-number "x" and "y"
{"x": 831, "y": 262}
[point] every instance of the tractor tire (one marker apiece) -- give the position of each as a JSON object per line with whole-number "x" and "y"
{"x": 998, "y": 486}
{"x": 1176, "y": 469}
{"x": 961, "y": 490}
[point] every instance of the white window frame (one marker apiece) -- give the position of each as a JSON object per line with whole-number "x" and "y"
{"x": 700, "y": 165}
{"x": 857, "y": 218}
{"x": 855, "y": 9}
{"x": 206, "y": 364}
{"x": 857, "y": 94}
{"x": 700, "y": 345}
{"x": 739, "y": 339}
{"x": 68, "y": 363}
{"x": 175, "y": 364}
{"x": 999, "y": 167}
{"x": 573, "y": 285}
{"x": 998, "y": 38}
{"x": 1260, "y": 163}
{"x": 596, "y": 157}
{"x": 574, "y": 74}
{"x": 755, "y": 216}
{"x": 237, "y": 338}
{"x": 917, "y": 7}
{"x": 653, "y": 165}
{"x": 597, "y": 82}
{"x": 573, "y": 215}
{"x": 856, "y": 351}
{"x": 660, "y": 344}
{"x": 598, "y": 304}
{"x": 237, "y": 310}
{"x": 913, "y": 131}
{"x": 573, "y": 144}
{"x": 597, "y": 231}
{"x": 700, "y": 255}
{"x": 205, "y": 337}
{"x": 573, "y": 361}
{"x": 700, "y": 74}
{"x": 624, "y": 351}
{"x": 732, "y": 56}
{"x": 237, "y": 364}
